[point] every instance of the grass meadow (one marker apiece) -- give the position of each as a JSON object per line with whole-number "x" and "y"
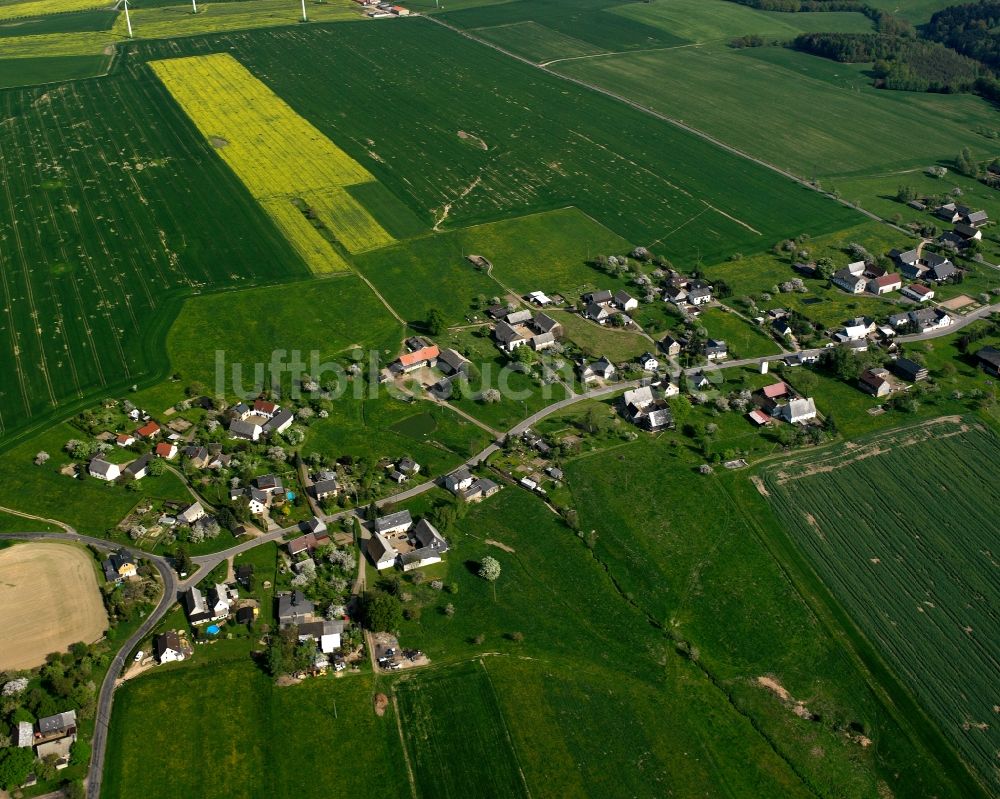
{"x": 232, "y": 733}
{"x": 921, "y": 591}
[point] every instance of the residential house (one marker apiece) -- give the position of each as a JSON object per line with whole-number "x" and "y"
{"x": 716, "y": 350}
{"x": 241, "y": 411}
{"x": 699, "y": 380}
{"x": 166, "y": 450}
{"x": 968, "y": 232}
{"x": 54, "y": 738}
{"x": 311, "y": 541}
{"x": 798, "y": 411}
{"x": 408, "y": 466}
{"x": 220, "y": 599}
{"x": 699, "y": 294}
{"x": 758, "y": 417}
{"x": 782, "y": 328}
{"x": 428, "y": 547}
{"x": 244, "y": 575}
{"x": 325, "y": 633}
{"x": 601, "y": 369}
{"x": 624, "y": 301}
{"x": 909, "y": 370}
{"x": 279, "y": 422}
{"x": 270, "y": 483}
{"x": 875, "y": 382}
{"x": 675, "y": 294}
{"x": 149, "y": 430}
{"x": 670, "y": 346}
{"x": 294, "y": 608}
{"x": 885, "y": 284}
{"x": 918, "y": 292}
{"x": 539, "y": 298}
{"x": 597, "y": 313}
{"x": 976, "y": 218}
{"x": 418, "y": 359}
{"x": 325, "y": 486}
{"x": 125, "y": 440}
{"x": 191, "y": 514}
{"x": 851, "y": 278}
{"x": 543, "y": 341}
{"x": 649, "y": 362}
{"x": 382, "y": 553}
{"x": 459, "y": 480}
{"x": 138, "y": 468}
{"x": 198, "y": 456}
{"x": 168, "y": 647}
{"x": 103, "y": 470}
{"x": 247, "y": 430}
{"x": 398, "y": 522}
{"x": 480, "y": 489}
{"x": 604, "y": 297}
{"x": 928, "y": 319}
{"x": 507, "y": 338}
{"x": 644, "y": 409}
{"x": 264, "y": 408}
{"x": 119, "y": 565}
{"x": 195, "y": 606}
{"x": 988, "y": 359}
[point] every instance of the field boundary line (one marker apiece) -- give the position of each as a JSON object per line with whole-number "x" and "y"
{"x": 402, "y": 742}
{"x": 506, "y": 728}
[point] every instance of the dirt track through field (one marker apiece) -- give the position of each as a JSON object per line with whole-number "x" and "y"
{"x": 49, "y": 599}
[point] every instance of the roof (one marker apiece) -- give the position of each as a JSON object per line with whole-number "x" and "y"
{"x": 165, "y": 641}
{"x": 519, "y": 317}
{"x": 544, "y": 323}
{"x": 759, "y": 416}
{"x": 242, "y": 428}
{"x": 294, "y": 603}
{"x": 505, "y": 333}
{"x": 801, "y": 407}
{"x": 453, "y": 359}
{"x": 268, "y": 482}
{"x": 423, "y": 354}
{"x": 460, "y": 474}
{"x": 398, "y": 519}
{"x": 165, "y": 449}
{"x": 427, "y": 535}
{"x": 990, "y": 355}
{"x": 599, "y": 296}
{"x": 639, "y": 397}
{"x": 100, "y": 466}
{"x": 326, "y": 486}
{"x": 377, "y": 548}
{"x": 887, "y": 280}
{"x": 138, "y": 464}
{"x": 872, "y": 378}
{"x": 700, "y": 291}
{"x": 919, "y": 288}
{"x": 280, "y": 419}
{"x": 148, "y": 429}
{"x": 622, "y": 296}
{"x": 908, "y": 367}
{"x": 775, "y": 390}
{"x": 263, "y": 406}
{"x": 60, "y": 722}
{"x": 976, "y": 217}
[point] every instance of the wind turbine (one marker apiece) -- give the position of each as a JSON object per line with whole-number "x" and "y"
{"x": 128, "y": 21}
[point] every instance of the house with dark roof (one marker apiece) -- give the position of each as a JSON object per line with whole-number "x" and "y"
{"x": 398, "y": 522}
{"x": 699, "y": 295}
{"x": 716, "y": 350}
{"x": 909, "y": 370}
{"x": 624, "y": 301}
{"x": 294, "y": 608}
{"x": 279, "y": 422}
{"x": 193, "y": 601}
{"x": 169, "y": 648}
{"x": 451, "y": 362}
{"x": 876, "y": 382}
{"x": 988, "y": 359}
{"x": 120, "y": 565}
{"x": 103, "y": 470}
{"x": 459, "y": 480}
{"x": 246, "y": 430}
{"x": 601, "y": 369}
{"x": 599, "y": 297}
{"x": 851, "y": 278}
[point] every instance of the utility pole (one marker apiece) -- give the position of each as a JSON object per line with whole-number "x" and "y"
{"x": 128, "y": 21}
{"x": 194, "y": 5}
{"x": 304, "y": 17}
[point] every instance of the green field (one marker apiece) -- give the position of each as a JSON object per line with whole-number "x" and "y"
{"x": 912, "y": 569}
{"x": 88, "y": 298}
{"x": 536, "y": 42}
{"x": 810, "y": 107}
{"x": 594, "y": 340}
{"x": 452, "y": 715}
{"x": 226, "y": 721}
{"x": 645, "y": 187}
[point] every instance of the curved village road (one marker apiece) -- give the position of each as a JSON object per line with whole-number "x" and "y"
{"x": 173, "y": 586}
{"x": 106, "y": 697}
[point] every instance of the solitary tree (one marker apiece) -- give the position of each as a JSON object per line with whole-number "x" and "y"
{"x": 435, "y": 322}
{"x": 489, "y": 570}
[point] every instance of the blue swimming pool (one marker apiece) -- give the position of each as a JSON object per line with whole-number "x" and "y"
{"x": 212, "y": 629}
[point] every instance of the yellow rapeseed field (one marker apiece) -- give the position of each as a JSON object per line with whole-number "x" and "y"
{"x": 308, "y": 242}
{"x": 38, "y": 8}
{"x": 277, "y": 154}
{"x": 352, "y": 224}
